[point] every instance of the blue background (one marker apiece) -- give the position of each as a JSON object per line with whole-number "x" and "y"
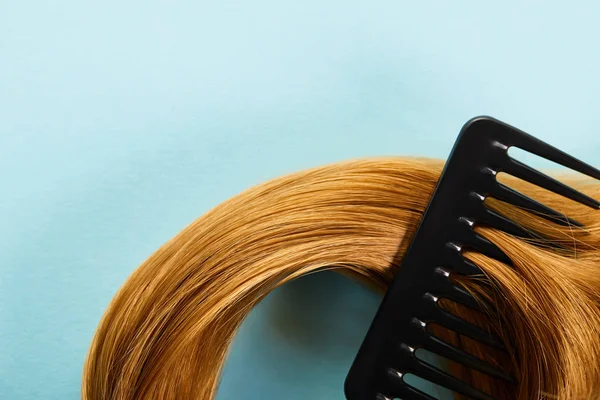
{"x": 122, "y": 121}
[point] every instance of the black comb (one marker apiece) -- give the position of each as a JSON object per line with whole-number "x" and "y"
{"x": 411, "y": 303}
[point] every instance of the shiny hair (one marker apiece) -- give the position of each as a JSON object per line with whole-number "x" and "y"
{"x": 166, "y": 333}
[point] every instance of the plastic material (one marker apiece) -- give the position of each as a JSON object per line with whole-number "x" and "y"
{"x": 457, "y": 205}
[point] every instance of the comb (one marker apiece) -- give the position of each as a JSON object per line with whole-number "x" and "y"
{"x": 399, "y": 328}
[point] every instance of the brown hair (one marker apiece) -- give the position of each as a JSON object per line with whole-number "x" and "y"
{"x": 165, "y": 334}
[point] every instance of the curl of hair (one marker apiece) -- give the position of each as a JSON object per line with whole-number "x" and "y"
{"x": 166, "y": 333}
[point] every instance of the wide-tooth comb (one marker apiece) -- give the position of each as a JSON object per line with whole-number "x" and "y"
{"x": 411, "y": 302}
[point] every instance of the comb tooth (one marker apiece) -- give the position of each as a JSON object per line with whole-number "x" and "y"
{"x": 403, "y": 390}
{"x": 508, "y": 195}
{"x": 446, "y": 289}
{"x": 465, "y": 298}
{"x": 536, "y": 146}
{"x": 499, "y": 221}
{"x": 490, "y": 249}
{"x": 461, "y": 296}
{"x": 486, "y": 247}
{"x": 463, "y": 327}
{"x": 461, "y": 265}
{"x": 520, "y": 170}
{"x": 444, "y": 349}
{"x": 436, "y": 375}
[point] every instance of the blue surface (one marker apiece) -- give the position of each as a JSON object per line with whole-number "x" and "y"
{"x": 121, "y": 122}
